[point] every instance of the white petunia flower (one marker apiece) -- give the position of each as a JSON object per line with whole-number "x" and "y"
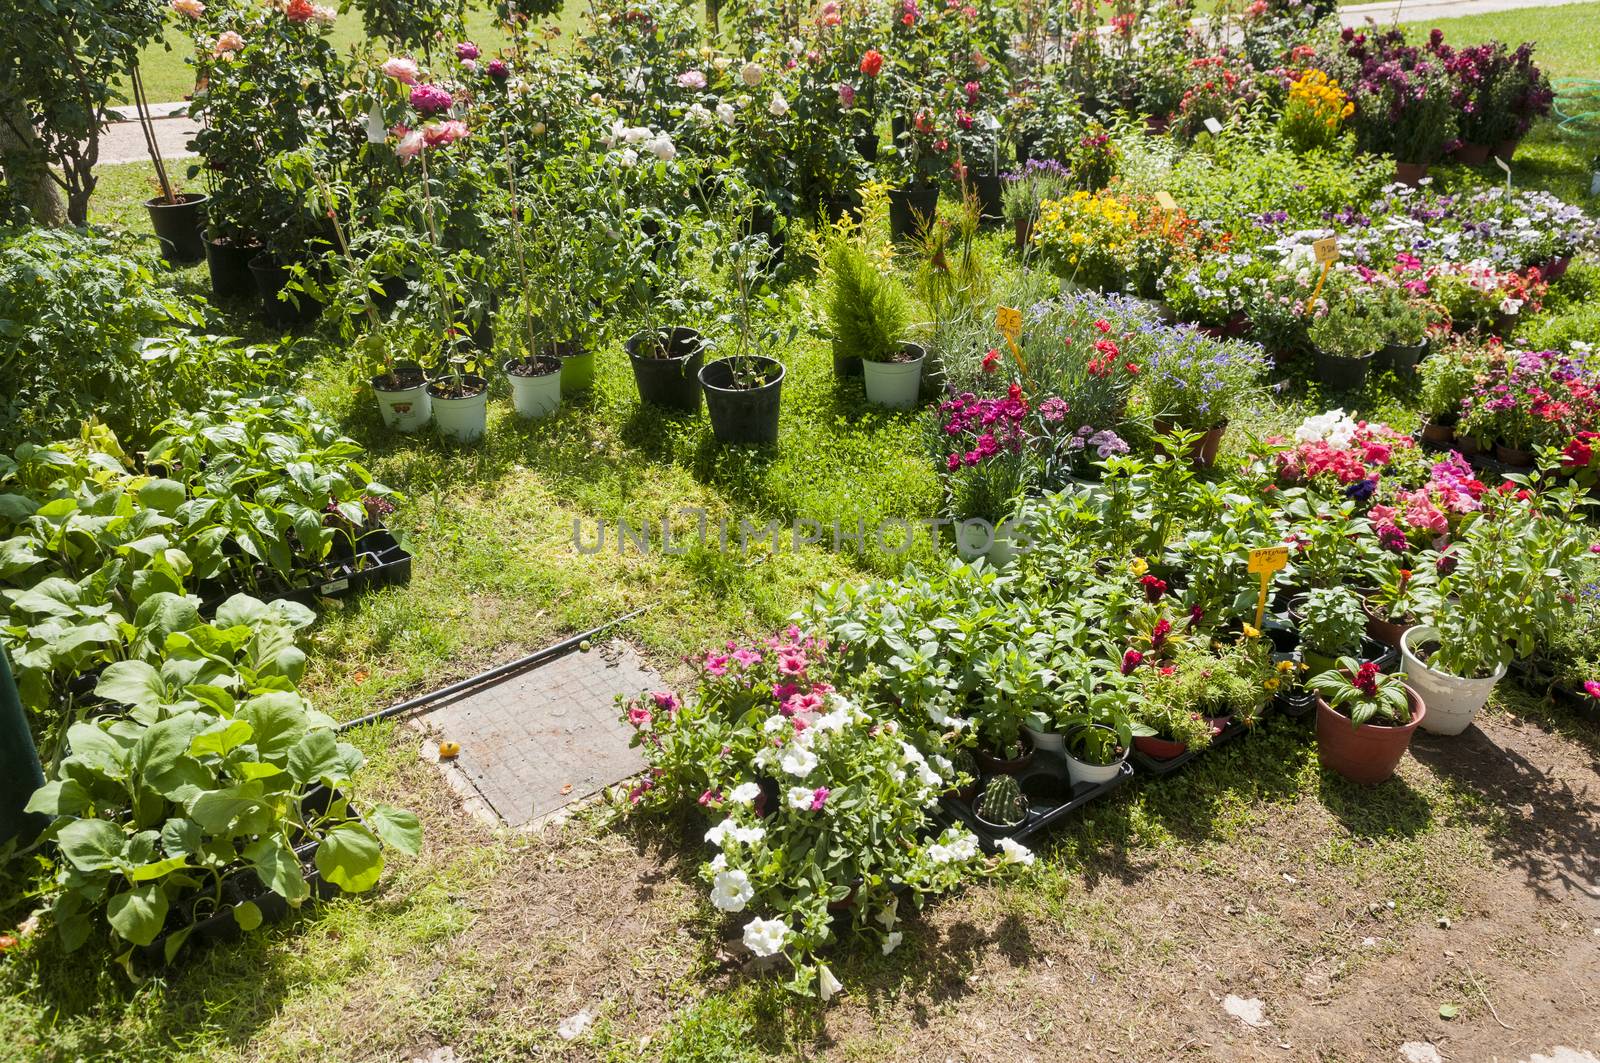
{"x": 744, "y": 793}
{"x": 892, "y": 942}
{"x": 764, "y": 937}
{"x": 718, "y": 834}
{"x": 827, "y": 984}
{"x": 719, "y": 862}
{"x": 798, "y": 761}
{"x": 749, "y": 835}
{"x": 799, "y": 798}
{"x": 1014, "y": 852}
{"x": 731, "y": 891}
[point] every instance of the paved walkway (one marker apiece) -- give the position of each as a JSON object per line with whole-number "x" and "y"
{"x": 124, "y": 142}
{"x": 1390, "y": 11}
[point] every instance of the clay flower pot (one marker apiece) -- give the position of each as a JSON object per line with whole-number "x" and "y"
{"x": 1159, "y": 748}
{"x": 1369, "y": 753}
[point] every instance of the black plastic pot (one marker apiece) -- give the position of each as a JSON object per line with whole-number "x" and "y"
{"x": 1342, "y": 374}
{"x": 867, "y": 145}
{"x": 1401, "y": 358}
{"x": 180, "y": 227}
{"x": 672, "y": 381}
{"x": 271, "y": 277}
{"x": 742, "y": 415}
{"x": 990, "y": 200}
{"x": 910, "y": 209}
{"x": 229, "y": 264}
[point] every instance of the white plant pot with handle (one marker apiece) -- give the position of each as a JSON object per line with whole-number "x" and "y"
{"x": 1453, "y": 702}
{"x": 974, "y": 538}
{"x": 461, "y": 418}
{"x": 534, "y": 397}
{"x": 404, "y": 409}
{"x": 1081, "y": 771}
{"x": 894, "y": 384}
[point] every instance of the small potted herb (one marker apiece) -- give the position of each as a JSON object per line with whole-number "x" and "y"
{"x": 1331, "y": 623}
{"x": 1365, "y": 720}
{"x": 1097, "y": 742}
{"x": 1038, "y": 180}
{"x": 1345, "y": 341}
{"x": 870, "y": 311}
{"x": 666, "y": 358}
{"x": 1404, "y": 329}
{"x": 461, "y": 396}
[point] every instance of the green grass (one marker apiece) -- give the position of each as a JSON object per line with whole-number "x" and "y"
{"x": 1565, "y": 38}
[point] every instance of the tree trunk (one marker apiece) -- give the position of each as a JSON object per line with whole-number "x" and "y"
{"x": 26, "y": 169}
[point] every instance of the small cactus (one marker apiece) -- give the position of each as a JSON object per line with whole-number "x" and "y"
{"x": 1002, "y": 802}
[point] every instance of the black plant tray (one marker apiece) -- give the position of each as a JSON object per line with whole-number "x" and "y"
{"x": 1050, "y": 795}
{"x": 1151, "y": 766}
{"x": 242, "y": 886}
{"x": 380, "y": 561}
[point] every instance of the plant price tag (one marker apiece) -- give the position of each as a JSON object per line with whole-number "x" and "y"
{"x": 1326, "y": 250}
{"x": 1268, "y": 559}
{"x": 1213, "y": 127}
{"x": 1008, "y": 319}
{"x": 1165, "y": 201}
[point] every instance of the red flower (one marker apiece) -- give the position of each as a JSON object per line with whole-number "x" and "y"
{"x": 1159, "y": 633}
{"x": 1154, "y": 589}
{"x": 298, "y": 11}
{"x": 871, "y": 63}
{"x": 991, "y": 358}
{"x": 1132, "y": 367}
{"x": 1130, "y": 661}
{"x": 1366, "y": 679}
{"x": 1196, "y": 614}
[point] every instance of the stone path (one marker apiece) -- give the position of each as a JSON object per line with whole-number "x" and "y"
{"x": 1389, "y": 11}
{"x": 539, "y": 741}
{"x": 124, "y": 142}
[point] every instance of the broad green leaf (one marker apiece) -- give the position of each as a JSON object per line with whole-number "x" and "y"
{"x": 139, "y": 914}
{"x": 278, "y": 720}
{"x": 16, "y": 508}
{"x": 182, "y": 837}
{"x": 164, "y": 495}
{"x": 255, "y": 769}
{"x": 163, "y": 745}
{"x": 91, "y": 844}
{"x": 398, "y": 827}
{"x": 133, "y": 683}
{"x": 95, "y": 748}
{"x": 161, "y": 614}
{"x": 159, "y": 869}
{"x": 278, "y": 869}
{"x": 216, "y": 810}
{"x": 220, "y": 739}
{"x": 247, "y": 915}
{"x": 350, "y": 858}
{"x": 314, "y": 756}
{"x": 65, "y": 797}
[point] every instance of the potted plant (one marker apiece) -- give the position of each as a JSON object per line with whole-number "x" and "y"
{"x": 1447, "y": 379}
{"x": 1097, "y": 742}
{"x": 1194, "y": 382}
{"x": 869, "y": 311}
{"x": 1001, "y": 808}
{"x": 1344, "y": 340}
{"x": 1331, "y": 623}
{"x": 460, "y": 398}
{"x": 1505, "y": 583}
{"x": 666, "y": 358}
{"x": 1394, "y": 606}
{"x": 1403, "y": 328}
{"x": 1405, "y": 105}
{"x": 1026, "y": 189}
{"x": 911, "y": 165}
{"x": 744, "y": 391}
{"x": 981, "y": 445}
{"x": 1365, "y": 720}
{"x": 1012, "y": 692}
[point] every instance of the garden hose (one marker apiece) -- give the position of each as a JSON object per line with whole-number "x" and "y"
{"x": 1577, "y": 111}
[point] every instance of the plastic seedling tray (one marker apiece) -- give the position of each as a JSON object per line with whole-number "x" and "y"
{"x": 1050, "y": 794}
{"x": 380, "y": 561}
{"x": 1151, "y": 766}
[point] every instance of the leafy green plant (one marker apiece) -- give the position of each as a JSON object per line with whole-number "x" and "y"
{"x": 1347, "y": 331}
{"x": 1363, "y": 693}
{"x": 1332, "y": 621}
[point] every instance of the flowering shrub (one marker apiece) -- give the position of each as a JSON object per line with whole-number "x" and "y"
{"x": 1221, "y": 87}
{"x": 1194, "y": 381}
{"x": 1532, "y": 399}
{"x": 818, "y": 812}
{"x": 1316, "y": 109}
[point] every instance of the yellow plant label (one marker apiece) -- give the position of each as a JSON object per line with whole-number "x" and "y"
{"x": 1326, "y": 250}
{"x": 1008, "y": 319}
{"x": 1165, "y": 201}
{"x": 1268, "y": 559}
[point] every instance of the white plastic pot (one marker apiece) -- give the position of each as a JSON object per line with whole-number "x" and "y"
{"x": 1011, "y": 538}
{"x": 406, "y": 410}
{"x": 462, "y": 419}
{"x": 893, "y": 384}
{"x": 1081, "y": 771}
{"x": 535, "y": 397}
{"x": 1452, "y": 702}
{"x": 974, "y": 538}
{"x": 1047, "y": 740}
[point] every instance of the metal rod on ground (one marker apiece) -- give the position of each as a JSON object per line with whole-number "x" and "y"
{"x": 497, "y": 672}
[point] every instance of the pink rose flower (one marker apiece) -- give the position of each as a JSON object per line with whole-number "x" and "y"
{"x": 847, "y": 95}
{"x": 401, "y": 69}
{"x": 228, "y": 42}
{"x": 431, "y": 99}
{"x": 467, "y": 50}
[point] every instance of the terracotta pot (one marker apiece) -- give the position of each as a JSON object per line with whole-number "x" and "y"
{"x": 1381, "y": 629}
{"x": 990, "y": 764}
{"x": 1438, "y": 432}
{"x": 1470, "y": 446}
{"x": 1472, "y": 154}
{"x": 1503, "y": 150}
{"x": 1366, "y": 754}
{"x": 1024, "y": 228}
{"x": 1159, "y": 748}
{"x": 1410, "y": 173}
{"x": 1203, "y": 452}
{"x": 1521, "y": 459}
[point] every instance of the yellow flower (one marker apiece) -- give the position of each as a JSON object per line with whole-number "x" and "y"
{"x": 1139, "y": 567}
{"x": 1271, "y": 684}
{"x": 1285, "y": 666}
{"x": 1251, "y": 631}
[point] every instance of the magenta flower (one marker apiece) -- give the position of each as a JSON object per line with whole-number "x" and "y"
{"x": 443, "y": 133}
{"x": 717, "y": 663}
{"x": 639, "y": 716}
{"x": 431, "y": 99}
{"x": 1591, "y": 688}
{"x": 665, "y": 700}
{"x": 498, "y": 69}
{"x": 819, "y": 797}
{"x": 847, "y": 95}
{"x": 467, "y": 50}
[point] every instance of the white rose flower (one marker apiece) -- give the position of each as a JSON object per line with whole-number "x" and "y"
{"x": 731, "y": 891}
{"x": 751, "y": 74}
{"x": 827, "y": 984}
{"x": 698, "y": 114}
{"x": 892, "y": 942}
{"x": 744, "y": 793}
{"x": 798, "y": 761}
{"x": 799, "y": 798}
{"x": 778, "y": 106}
{"x": 1014, "y": 852}
{"x": 727, "y": 113}
{"x": 637, "y": 134}
{"x": 721, "y": 63}
{"x": 628, "y": 158}
{"x": 764, "y": 937}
